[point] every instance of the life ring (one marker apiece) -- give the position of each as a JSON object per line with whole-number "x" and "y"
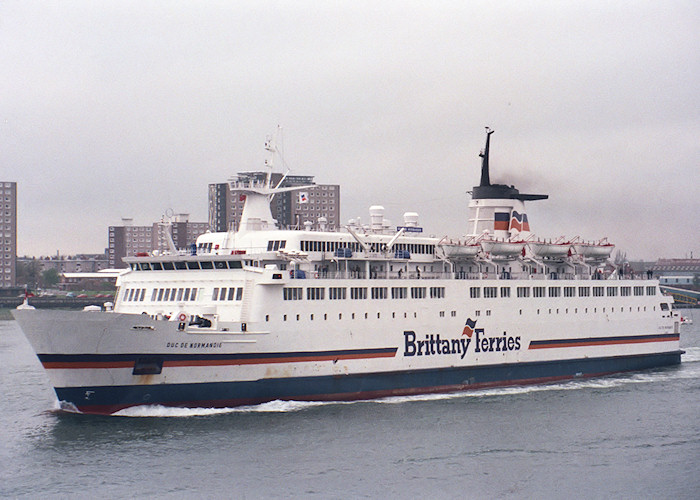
{"x": 182, "y": 316}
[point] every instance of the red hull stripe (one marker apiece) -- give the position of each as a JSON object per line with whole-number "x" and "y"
{"x": 298, "y": 359}
{"x": 53, "y": 362}
{"x": 599, "y": 341}
{"x": 88, "y": 364}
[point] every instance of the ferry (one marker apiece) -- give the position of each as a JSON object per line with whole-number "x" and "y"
{"x": 266, "y": 313}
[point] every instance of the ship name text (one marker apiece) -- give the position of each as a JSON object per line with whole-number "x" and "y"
{"x": 194, "y": 345}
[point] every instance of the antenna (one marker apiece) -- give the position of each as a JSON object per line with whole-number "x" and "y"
{"x": 270, "y": 162}
{"x": 271, "y": 145}
{"x": 165, "y": 232}
{"x": 278, "y": 148}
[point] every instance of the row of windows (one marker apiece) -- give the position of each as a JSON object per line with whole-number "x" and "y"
{"x": 337, "y": 293}
{"x": 360, "y": 293}
{"x": 227, "y": 293}
{"x": 293, "y": 293}
{"x": 134, "y": 294}
{"x": 160, "y": 294}
{"x": 205, "y": 247}
{"x": 173, "y": 294}
{"x": 315, "y": 293}
{"x": 131, "y": 229}
{"x": 594, "y": 310}
{"x": 415, "y": 248}
{"x": 453, "y": 314}
{"x": 332, "y": 246}
{"x": 353, "y": 315}
{"x": 329, "y": 246}
{"x": 316, "y": 201}
{"x": 276, "y": 245}
{"x": 556, "y": 291}
{"x": 181, "y": 265}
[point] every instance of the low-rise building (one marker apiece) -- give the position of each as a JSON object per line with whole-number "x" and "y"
{"x": 676, "y": 267}
{"x": 80, "y": 263}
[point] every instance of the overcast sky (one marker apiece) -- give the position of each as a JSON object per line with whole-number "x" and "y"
{"x": 127, "y": 109}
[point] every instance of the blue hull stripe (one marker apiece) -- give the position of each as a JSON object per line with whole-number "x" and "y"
{"x": 51, "y": 361}
{"x": 108, "y": 399}
{"x": 589, "y": 341}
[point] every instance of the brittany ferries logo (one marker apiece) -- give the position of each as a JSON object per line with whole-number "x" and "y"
{"x": 519, "y": 221}
{"x": 433, "y": 345}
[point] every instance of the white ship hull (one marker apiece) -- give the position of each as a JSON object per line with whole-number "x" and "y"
{"x": 334, "y": 352}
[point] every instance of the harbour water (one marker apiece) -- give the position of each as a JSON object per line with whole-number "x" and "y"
{"x": 627, "y": 436}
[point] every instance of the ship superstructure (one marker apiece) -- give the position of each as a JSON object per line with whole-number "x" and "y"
{"x": 372, "y": 310}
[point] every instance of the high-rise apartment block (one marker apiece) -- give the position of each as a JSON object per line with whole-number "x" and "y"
{"x": 220, "y": 207}
{"x": 8, "y": 234}
{"x": 290, "y": 209}
{"x": 184, "y": 232}
{"x": 128, "y": 240}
